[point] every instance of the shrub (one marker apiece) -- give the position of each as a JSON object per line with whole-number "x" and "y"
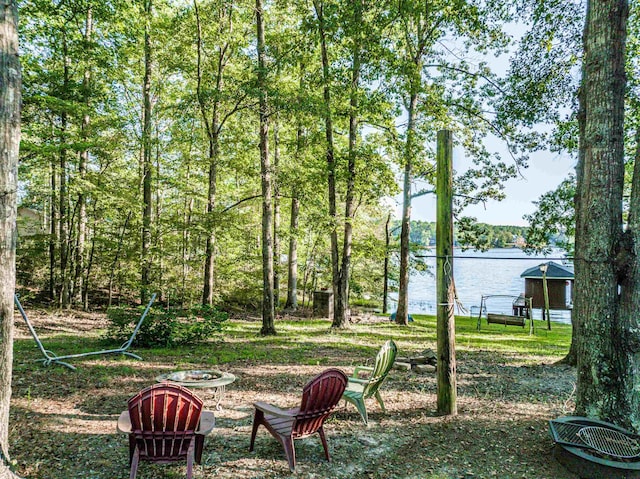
{"x": 164, "y": 327}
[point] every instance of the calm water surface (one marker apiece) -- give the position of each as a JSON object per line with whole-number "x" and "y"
{"x": 493, "y": 272}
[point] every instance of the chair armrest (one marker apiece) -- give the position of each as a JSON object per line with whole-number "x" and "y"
{"x": 124, "y": 423}
{"x": 357, "y": 370}
{"x": 358, "y": 380}
{"x": 207, "y": 423}
{"x": 273, "y": 410}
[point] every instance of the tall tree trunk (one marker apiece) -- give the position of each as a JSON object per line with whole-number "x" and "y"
{"x": 158, "y": 238}
{"x": 385, "y": 287}
{"x": 341, "y": 312}
{"x": 116, "y": 258}
{"x": 276, "y": 215}
{"x": 186, "y": 228}
{"x": 268, "y": 308}
{"x": 212, "y": 127}
{"x": 606, "y": 283}
{"x": 63, "y": 235}
{"x": 82, "y": 167}
{"x": 53, "y": 229}
{"x": 417, "y": 34}
{"x": 292, "y": 260}
{"x": 10, "y": 79}
{"x": 146, "y": 157}
{"x": 629, "y": 351}
{"x": 331, "y": 164}
{"x": 402, "y": 313}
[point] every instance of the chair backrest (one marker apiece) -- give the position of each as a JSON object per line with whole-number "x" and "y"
{"x": 319, "y": 397}
{"x": 164, "y": 418}
{"x": 384, "y": 361}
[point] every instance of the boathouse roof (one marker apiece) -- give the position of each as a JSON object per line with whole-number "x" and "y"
{"x": 554, "y": 271}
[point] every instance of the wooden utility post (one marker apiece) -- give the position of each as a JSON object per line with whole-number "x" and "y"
{"x": 447, "y": 384}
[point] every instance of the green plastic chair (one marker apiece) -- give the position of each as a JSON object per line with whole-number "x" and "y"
{"x": 358, "y": 390}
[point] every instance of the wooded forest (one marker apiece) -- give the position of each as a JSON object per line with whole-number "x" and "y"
{"x": 212, "y": 150}
{"x": 186, "y": 146}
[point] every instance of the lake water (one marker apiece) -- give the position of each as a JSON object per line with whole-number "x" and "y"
{"x": 493, "y": 272}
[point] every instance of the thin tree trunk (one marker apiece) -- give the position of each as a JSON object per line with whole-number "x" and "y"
{"x": 10, "y": 79}
{"x": 82, "y": 168}
{"x": 331, "y": 164}
{"x": 63, "y": 236}
{"x": 385, "y": 287}
{"x": 85, "y": 289}
{"x": 276, "y": 215}
{"x": 268, "y": 308}
{"x": 146, "y": 157}
{"x": 158, "y": 239}
{"x": 212, "y": 128}
{"x": 186, "y": 227}
{"x": 292, "y": 260}
{"x": 292, "y": 263}
{"x": 607, "y": 289}
{"x": 53, "y": 231}
{"x": 117, "y": 257}
{"x": 402, "y": 313}
{"x": 341, "y": 311}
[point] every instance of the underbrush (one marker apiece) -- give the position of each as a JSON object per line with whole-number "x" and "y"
{"x": 164, "y": 327}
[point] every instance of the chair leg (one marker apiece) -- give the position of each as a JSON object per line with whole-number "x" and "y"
{"x": 362, "y": 409}
{"x": 134, "y": 464}
{"x": 380, "y": 401}
{"x": 257, "y": 420}
{"x": 132, "y": 447}
{"x": 190, "y": 459}
{"x": 198, "y": 450}
{"x": 324, "y": 443}
{"x": 290, "y": 452}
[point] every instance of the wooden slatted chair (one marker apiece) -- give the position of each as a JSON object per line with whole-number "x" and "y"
{"x": 319, "y": 398}
{"x": 359, "y": 389}
{"x": 165, "y": 423}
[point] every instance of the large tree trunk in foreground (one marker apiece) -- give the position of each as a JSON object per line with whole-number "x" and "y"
{"x": 606, "y": 264}
{"x": 10, "y": 79}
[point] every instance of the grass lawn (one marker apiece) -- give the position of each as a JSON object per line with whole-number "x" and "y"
{"x": 63, "y": 422}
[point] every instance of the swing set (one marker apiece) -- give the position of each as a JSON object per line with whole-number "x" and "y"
{"x": 507, "y": 310}
{"x": 51, "y": 357}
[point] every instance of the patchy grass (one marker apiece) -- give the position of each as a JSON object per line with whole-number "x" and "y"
{"x": 63, "y": 422}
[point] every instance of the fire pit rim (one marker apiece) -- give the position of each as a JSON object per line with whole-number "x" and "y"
{"x": 584, "y": 453}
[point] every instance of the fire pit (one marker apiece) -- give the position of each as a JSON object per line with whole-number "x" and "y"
{"x": 595, "y": 449}
{"x": 212, "y": 380}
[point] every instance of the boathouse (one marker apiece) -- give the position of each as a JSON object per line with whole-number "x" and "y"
{"x": 559, "y": 280}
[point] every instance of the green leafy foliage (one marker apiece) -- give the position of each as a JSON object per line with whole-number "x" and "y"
{"x": 165, "y": 327}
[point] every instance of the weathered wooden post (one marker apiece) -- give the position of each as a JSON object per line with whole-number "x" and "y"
{"x": 447, "y": 384}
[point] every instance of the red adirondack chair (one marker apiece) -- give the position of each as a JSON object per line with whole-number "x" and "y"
{"x": 165, "y": 423}
{"x": 319, "y": 397}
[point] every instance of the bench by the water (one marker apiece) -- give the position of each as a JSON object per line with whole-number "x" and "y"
{"x": 505, "y": 319}
{"x": 495, "y": 308}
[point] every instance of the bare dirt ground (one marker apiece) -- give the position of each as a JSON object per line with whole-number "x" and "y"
{"x": 63, "y": 422}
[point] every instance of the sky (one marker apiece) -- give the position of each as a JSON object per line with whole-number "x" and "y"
{"x": 546, "y": 170}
